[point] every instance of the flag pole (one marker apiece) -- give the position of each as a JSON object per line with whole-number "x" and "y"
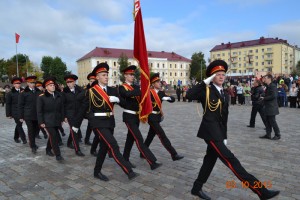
{"x": 17, "y": 59}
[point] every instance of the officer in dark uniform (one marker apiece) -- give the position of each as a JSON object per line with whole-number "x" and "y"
{"x": 39, "y": 85}
{"x": 131, "y": 93}
{"x": 213, "y": 130}
{"x": 50, "y": 112}
{"x": 73, "y": 97}
{"x": 27, "y": 110}
{"x": 154, "y": 119}
{"x": 257, "y": 104}
{"x": 91, "y": 78}
{"x": 99, "y": 104}
{"x": 12, "y": 110}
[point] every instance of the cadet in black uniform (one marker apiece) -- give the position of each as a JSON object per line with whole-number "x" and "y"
{"x": 73, "y": 97}
{"x": 12, "y": 110}
{"x": 50, "y": 112}
{"x": 154, "y": 119}
{"x": 27, "y": 110}
{"x": 91, "y": 78}
{"x": 213, "y": 130}
{"x": 99, "y": 104}
{"x": 39, "y": 85}
{"x": 131, "y": 93}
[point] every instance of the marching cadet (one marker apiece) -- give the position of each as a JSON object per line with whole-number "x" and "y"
{"x": 27, "y": 110}
{"x": 39, "y": 85}
{"x": 154, "y": 119}
{"x": 91, "y": 78}
{"x": 100, "y": 104}
{"x": 73, "y": 97}
{"x": 12, "y": 110}
{"x": 213, "y": 130}
{"x": 131, "y": 93}
{"x": 50, "y": 112}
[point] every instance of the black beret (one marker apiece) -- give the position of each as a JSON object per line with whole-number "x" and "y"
{"x": 129, "y": 70}
{"x": 16, "y": 80}
{"x": 216, "y": 66}
{"x": 30, "y": 79}
{"x": 90, "y": 76}
{"x": 70, "y": 77}
{"x": 154, "y": 77}
{"x": 101, "y": 67}
{"x": 49, "y": 80}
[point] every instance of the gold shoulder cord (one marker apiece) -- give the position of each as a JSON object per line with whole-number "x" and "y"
{"x": 211, "y": 106}
{"x": 92, "y": 99}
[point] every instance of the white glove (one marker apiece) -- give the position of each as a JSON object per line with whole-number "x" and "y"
{"x": 166, "y": 98}
{"x": 114, "y": 99}
{"x": 225, "y": 141}
{"x": 75, "y": 129}
{"x": 209, "y": 79}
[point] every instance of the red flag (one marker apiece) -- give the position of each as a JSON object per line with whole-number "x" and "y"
{"x": 17, "y": 37}
{"x": 141, "y": 55}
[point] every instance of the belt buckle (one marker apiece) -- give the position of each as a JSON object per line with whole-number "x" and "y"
{"x": 108, "y": 114}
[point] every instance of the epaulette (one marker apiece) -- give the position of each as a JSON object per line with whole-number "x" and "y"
{"x": 41, "y": 94}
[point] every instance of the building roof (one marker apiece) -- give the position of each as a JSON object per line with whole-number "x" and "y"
{"x": 260, "y": 41}
{"x": 116, "y": 53}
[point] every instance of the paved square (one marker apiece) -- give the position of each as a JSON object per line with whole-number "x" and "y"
{"x": 27, "y": 176}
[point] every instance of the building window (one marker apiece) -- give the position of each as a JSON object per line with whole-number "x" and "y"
{"x": 262, "y": 63}
{"x": 262, "y": 50}
{"x": 163, "y": 73}
{"x": 97, "y": 62}
{"x": 250, "y": 70}
{"x": 262, "y": 56}
{"x": 256, "y": 64}
{"x": 240, "y": 65}
{"x": 163, "y": 65}
{"x": 114, "y": 63}
{"x": 240, "y": 53}
{"x": 181, "y": 66}
{"x": 157, "y": 65}
{"x": 170, "y": 73}
{"x": 181, "y": 74}
{"x": 115, "y": 73}
{"x": 151, "y": 64}
{"x": 239, "y": 59}
{"x": 175, "y": 74}
{"x": 175, "y": 66}
{"x": 256, "y": 57}
{"x": 223, "y": 54}
{"x": 256, "y": 50}
{"x": 240, "y": 71}
{"x": 170, "y": 65}
{"x": 218, "y": 55}
{"x": 129, "y": 63}
{"x": 269, "y": 49}
{"x": 244, "y": 64}
{"x": 186, "y": 74}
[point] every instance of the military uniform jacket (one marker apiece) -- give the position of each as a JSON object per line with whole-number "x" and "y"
{"x": 257, "y": 92}
{"x": 27, "y": 103}
{"x": 155, "y": 105}
{"x": 131, "y": 102}
{"x": 12, "y": 99}
{"x": 270, "y": 100}
{"x": 94, "y": 103}
{"x": 72, "y": 102}
{"x": 50, "y": 111}
{"x": 214, "y": 122}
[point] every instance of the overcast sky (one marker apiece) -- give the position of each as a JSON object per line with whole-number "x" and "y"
{"x": 71, "y": 28}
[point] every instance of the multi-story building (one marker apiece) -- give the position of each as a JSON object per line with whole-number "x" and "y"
{"x": 263, "y": 55}
{"x": 171, "y": 66}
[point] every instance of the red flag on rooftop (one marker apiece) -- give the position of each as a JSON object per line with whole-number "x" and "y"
{"x": 141, "y": 55}
{"x": 17, "y": 37}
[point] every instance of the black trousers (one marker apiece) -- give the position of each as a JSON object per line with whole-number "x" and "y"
{"x": 108, "y": 142}
{"x": 260, "y": 109}
{"x": 43, "y": 131}
{"x": 88, "y": 133}
{"x": 156, "y": 129}
{"x": 33, "y": 129}
{"x": 219, "y": 150}
{"x": 74, "y": 137}
{"x": 53, "y": 139}
{"x": 61, "y": 129}
{"x": 293, "y": 101}
{"x": 19, "y": 131}
{"x": 134, "y": 134}
{"x": 271, "y": 123}
{"x": 95, "y": 143}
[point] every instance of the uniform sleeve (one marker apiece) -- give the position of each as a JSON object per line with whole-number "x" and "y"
{"x": 21, "y": 104}
{"x": 83, "y": 109}
{"x": 8, "y": 104}
{"x": 197, "y": 92}
{"x": 163, "y": 94}
{"x": 39, "y": 109}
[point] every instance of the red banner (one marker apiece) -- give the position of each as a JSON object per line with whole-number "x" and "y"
{"x": 141, "y": 55}
{"x": 17, "y": 37}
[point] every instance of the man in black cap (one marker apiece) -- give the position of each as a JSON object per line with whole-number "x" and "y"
{"x": 27, "y": 110}
{"x": 50, "y": 112}
{"x": 213, "y": 130}
{"x": 154, "y": 119}
{"x": 73, "y": 97}
{"x": 12, "y": 110}
{"x": 39, "y": 85}
{"x": 131, "y": 94}
{"x": 99, "y": 105}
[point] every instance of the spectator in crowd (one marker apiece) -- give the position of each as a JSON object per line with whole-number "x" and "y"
{"x": 2, "y": 96}
{"x": 240, "y": 93}
{"x": 178, "y": 92}
{"x": 247, "y": 94}
{"x": 232, "y": 94}
{"x": 293, "y": 95}
{"x": 281, "y": 95}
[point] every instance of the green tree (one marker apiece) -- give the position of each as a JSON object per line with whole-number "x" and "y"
{"x": 54, "y": 67}
{"x": 45, "y": 65}
{"x": 3, "y": 70}
{"x": 23, "y": 65}
{"x": 198, "y": 67}
{"x": 123, "y": 63}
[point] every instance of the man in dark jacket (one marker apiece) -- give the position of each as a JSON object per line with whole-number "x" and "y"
{"x": 213, "y": 130}
{"x": 178, "y": 92}
{"x": 131, "y": 94}
{"x": 73, "y": 97}
{"x": 27, "y": 110}
{"x": 99, "y": 104}
{"x": 12, "y": 110}
{"x": 154, "y": 119}
{"x": 257, "y": 103}
{"x": 50, "y": 113}
{"x": 271, "y": 108}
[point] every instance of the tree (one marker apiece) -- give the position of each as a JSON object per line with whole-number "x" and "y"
{"x": 54, "y": 67}
{"x": 23, "y": 65}
{"x": 3, "y": 70}
{"x": 198, "y": 66}
{"x": 45, "y": 65}
{"x": 123, "y": 63}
